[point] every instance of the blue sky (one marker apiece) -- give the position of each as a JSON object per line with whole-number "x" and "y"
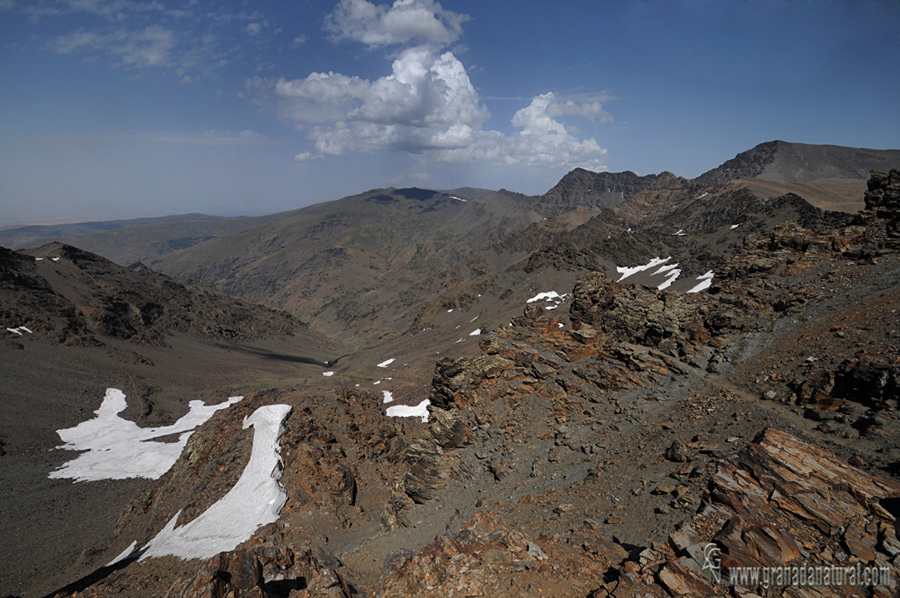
{"x": 126, "y": 108}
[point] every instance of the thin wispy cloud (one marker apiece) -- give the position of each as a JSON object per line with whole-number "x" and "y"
{"x": 150, "y": 46}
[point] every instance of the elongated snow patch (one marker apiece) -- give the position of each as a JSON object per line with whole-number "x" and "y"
{"x": 118, "y": 448}
{"x": 384, "y": 364}
{"x": 705, "y": 282}
{"x": 255, "y": 500}
{"x": 420, "y": 410}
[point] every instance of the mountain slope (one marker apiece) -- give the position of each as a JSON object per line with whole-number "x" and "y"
{"x": 359, "y": 266}
{"x": 74, "y": 324}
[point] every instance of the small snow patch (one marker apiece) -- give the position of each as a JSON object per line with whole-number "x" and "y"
{"x": 705, "y": 282}
{"x": 388, "y": 397}
{"x": 328, "y": 374}
{"x": 546, "y": 296}
{"x": 672, "y": 277}
{"x": 475, "y": 332}
{"x": 39, "y": 259}
{"x": 384, "y": 364}
{"x": 680, "y": 233}
{"x": 19, "y": 330}
{"x": 734, "y": 226}
{"x": 631, "y": 271}
{"x": 55, "y": 259}
{"x": 420, "y": 410}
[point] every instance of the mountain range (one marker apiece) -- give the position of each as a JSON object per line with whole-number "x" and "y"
{"x": 489, "y": 393}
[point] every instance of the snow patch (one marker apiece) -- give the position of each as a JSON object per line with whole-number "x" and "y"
{"x": 702, "y": 196}
{"x": 680, "y": 233}
{"x": 475, "y": 332}
{"x": 705, "y": 282}
{"x": 734, "y": 226}
{"x": 420, "y": 410}
{"x": 631, "y": 271}
{"x": 19, "y": 330}
{"x": 39, "y": 259}
{"x": 384, "y": 364}
{"x": 255, "y": 500}
{"x": 55, "y": 259}
{"x": 387, "y": 396}
{"x": 672, "y": 277}
{"x": 458, "y": 198}
{"x": 328, "y": 374}
{"x": 549, "y": 296}
{"x": 118, "y": 449}
{"x": 546, "y": 296}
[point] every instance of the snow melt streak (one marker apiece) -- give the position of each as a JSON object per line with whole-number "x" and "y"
{"x": 254, "y": 501}
{"x": 118, "y": 448}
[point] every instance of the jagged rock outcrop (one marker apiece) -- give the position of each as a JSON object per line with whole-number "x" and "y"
{"x": 781, "y": 502}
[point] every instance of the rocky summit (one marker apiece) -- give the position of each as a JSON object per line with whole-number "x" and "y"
{"x": 629, "y": 387}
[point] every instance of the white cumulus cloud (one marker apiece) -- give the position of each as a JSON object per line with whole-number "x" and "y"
{"x": 427, "y": 104}
{"x": 422, "y": 21}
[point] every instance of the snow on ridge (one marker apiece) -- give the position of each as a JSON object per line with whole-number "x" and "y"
{"x": 118, "y": 448}
{"x": 255, "y": 500}
{"x": 420, "y": 410}
{"x": 626, "y": 271}
{"x": 384, "y": 364}
{"x": 705, "y": 282}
